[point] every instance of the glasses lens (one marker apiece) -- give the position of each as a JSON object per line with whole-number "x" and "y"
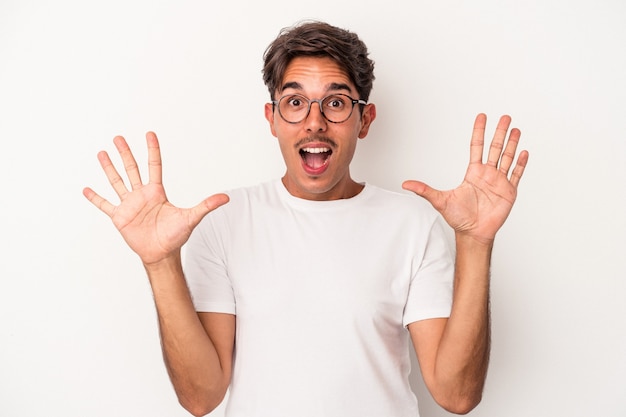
{"x": 293, "y": 108}
{"x": 337, "y": 108}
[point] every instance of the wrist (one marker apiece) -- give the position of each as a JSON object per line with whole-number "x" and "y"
{"x": 169, "y": 264}
{"x": 473, "y": 263}
{"x": 473, "y": 241}
{"x": 472, "y": 251}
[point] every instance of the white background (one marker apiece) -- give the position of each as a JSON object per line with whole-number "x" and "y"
{"x": 78, "y": 328}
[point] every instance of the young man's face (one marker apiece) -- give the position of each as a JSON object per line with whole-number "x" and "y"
{"x": 317, "y": 152}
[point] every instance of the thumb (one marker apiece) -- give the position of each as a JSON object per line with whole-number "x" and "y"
{"x": 425, "y": 191}
{"x": 209, "y": 204}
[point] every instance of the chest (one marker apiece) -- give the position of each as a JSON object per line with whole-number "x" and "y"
{"x": 320, "y": 268}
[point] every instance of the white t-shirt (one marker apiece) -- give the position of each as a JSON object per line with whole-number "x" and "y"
{"x": 322, "y": 292}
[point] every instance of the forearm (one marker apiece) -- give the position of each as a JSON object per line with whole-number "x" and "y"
{"x": 191, "y": 358}
{"x": 463, "y": 354}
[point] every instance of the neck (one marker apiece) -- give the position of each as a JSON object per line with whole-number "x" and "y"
{"x": 346, "y": 189}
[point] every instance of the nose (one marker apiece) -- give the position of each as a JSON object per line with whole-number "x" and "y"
{"x": 315, "y": 120}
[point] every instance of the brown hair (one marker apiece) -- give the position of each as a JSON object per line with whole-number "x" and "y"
{"x": 319, "y": 39}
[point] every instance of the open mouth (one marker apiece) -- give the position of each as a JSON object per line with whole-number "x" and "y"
{"x": 315, "y": 158}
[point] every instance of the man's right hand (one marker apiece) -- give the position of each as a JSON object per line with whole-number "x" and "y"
{"x": 149, "y": 223}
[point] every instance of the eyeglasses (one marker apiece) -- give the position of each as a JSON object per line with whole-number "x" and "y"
{"x": 336, "y": 108}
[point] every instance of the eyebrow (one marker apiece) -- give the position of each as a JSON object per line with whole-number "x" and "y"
{"x": 331, "y": 87}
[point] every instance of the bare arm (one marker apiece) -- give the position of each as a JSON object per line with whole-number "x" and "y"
{"x": 197, "y": 349}
{"x": 454, "y": 353}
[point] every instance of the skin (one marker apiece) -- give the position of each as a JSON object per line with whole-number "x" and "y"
{"x": 454, "y": 353}
{"x": 198, "y": 347}
{"x": 317, "y": 78}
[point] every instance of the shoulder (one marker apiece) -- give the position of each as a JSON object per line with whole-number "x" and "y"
{"x": 266, "y": 191}
{"x": 407, "y": 216}
{"x": 242, "y": 197}
{"x": 245, "y": 202}
{"x": 397, "y": 202}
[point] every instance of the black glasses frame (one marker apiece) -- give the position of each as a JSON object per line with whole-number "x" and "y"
{"x": 319, "y": 101}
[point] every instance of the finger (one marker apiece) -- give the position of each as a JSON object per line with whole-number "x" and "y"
{"x": 112, "y": 175}
{"x": 98, "y": 201}
{"x": 155, "y": 168}
{"x": 478, "y": 139}
{"x": 497, "y": 144}
{"x": 520, "y": 166}
{"x": 509, "y": 152}
{"x": 205, "y": 207}
{"x": 130, "y": 165}
{"x": 423, "y": 190}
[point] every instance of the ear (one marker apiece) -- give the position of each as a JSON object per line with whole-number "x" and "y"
{"x": 368, "y": 116}
{"x": 269, "y": 116}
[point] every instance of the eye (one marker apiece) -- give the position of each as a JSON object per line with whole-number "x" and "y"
{"x": 335, "y": 103}
{"x": 295, "y": 101}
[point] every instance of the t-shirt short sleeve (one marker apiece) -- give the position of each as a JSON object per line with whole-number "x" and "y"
{"x": 206, "y": 270}
{"x": 430, "y": 292}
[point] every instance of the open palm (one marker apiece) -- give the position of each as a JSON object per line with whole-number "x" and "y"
{"x": 483, "y": 201}
{"x": 148, "y": 222}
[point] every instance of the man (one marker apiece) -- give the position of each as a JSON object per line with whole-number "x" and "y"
{"x": 312, "y": 281}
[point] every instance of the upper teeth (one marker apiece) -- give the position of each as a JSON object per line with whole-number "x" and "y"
{"x": 316, "y": 150}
